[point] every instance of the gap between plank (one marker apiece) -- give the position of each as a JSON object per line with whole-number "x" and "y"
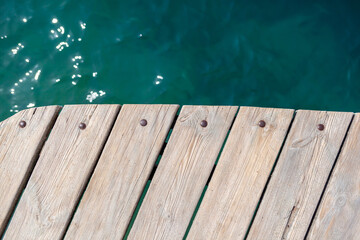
{"x": 268, "y": 180}
{"x": 195, "y": 212}
{"x": 137, "y": 209}
{"x": 329, "y": 177}
{"x": 143, "y": 194}
{"x": 47, "y": 136}
{"x": 27, "y": 176}
{"x": 209, "y": 179}
{"x": 90, "y": 174}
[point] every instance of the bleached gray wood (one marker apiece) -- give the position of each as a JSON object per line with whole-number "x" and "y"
{"x": 122, "y": 172}
{"x": 19, "y": 148}
{"x": 182, "y": 173}
{"x": 338, "y": 216}
{"x": 241, "y": 174}
{"x": 300, "y": 175}
{"x": 61, "y": 172}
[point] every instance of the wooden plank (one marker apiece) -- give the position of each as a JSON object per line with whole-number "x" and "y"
{"x": 182, "y": 173}
{"x": 339, "y": 211}
{"x": 61, "y": 172}
{"x": 300, "y": 175}
{"x": 122, "y": 172}
{"x": 19, "y": 148}
{"x": 241, "y": 174}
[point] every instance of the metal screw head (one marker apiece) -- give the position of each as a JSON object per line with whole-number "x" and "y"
{"x": 320, "y": 127}
{"x": 82, "y": 126}
{"x": 262, "y": 123}
{"x": 203, "y": 123}
{"x": 143, "y": 122}
{"x": 22, "y": 124}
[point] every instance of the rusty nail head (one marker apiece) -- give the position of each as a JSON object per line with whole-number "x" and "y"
{"x": 22, "y": 124}
{"x": 321, "y": 127}
{"x": 82, "y": 126}
{"x": 262, "y": 123}
{"x": 203, "y": 123}
{"x": 143, "y": 122}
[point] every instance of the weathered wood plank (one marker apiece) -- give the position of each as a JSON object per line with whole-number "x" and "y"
{"x": 300, "y": 175}
{"x": 241, "y": 174}
{"x": 338, "y": 216}
{"x": 19, "y": 148}
{"x": 122, "y": 172}
{"x": 61, "y": 172}
{"x": 182, "y": 173}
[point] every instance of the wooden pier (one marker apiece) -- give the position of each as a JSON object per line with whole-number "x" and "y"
{"x": 165, "y": 172}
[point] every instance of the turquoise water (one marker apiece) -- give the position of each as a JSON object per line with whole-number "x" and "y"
{"x": 293, "y": 54}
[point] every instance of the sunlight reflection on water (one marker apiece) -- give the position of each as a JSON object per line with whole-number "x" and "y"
{"x": 198, "y": 52}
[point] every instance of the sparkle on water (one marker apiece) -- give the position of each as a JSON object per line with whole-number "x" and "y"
{"x": 291, "y": 54}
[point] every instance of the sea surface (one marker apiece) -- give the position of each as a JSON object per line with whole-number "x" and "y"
{"x": 289, "y": 54}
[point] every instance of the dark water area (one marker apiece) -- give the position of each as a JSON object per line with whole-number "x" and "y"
{"x": 289, "y": 54}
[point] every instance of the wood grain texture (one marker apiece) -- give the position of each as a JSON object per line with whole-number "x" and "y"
{"x": 61, "y": 172}
{"x": 122, "y": 172}
{"x": 338, "y": 216}
{"x": 300, "y": 175}
{"x": 241, "y": 174}
{"x": 182, "y": 173}
{"x": 19, "y": 149}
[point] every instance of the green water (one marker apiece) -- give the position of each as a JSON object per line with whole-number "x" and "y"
{"x": 293, "y": 54}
